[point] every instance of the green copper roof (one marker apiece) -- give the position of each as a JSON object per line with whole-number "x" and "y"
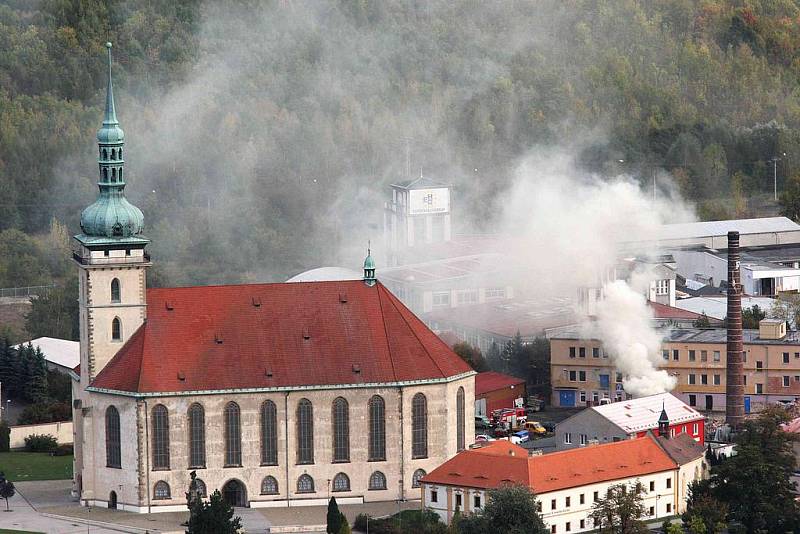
{"x": 111, "y": 215}
{"x": 369, "y": 263}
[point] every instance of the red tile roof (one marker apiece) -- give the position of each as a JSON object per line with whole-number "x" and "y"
{"x": 502, "y": 462}
{"x": 492, "y": 381}
{"x": 276, "y": 335}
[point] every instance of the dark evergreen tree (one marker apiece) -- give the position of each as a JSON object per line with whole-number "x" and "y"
{"x": 472, "y": 356}
{"x": 37, "y": 387}
{"x": 213, "y": 517}
{"x": 8, "y": 369}
{"x": 334, "y": 517}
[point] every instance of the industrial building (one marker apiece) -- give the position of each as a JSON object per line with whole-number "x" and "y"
{"x": 495, "y": 390}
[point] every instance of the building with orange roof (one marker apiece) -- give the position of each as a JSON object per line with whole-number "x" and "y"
{"x": 568, "y": 483}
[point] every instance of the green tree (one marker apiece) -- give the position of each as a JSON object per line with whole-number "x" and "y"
{"x": 334, "y": 517}
{"x": 756, "y": 483}
{"x": 620, "y": 511}
{"x": 5, "y": 436}
{"x": 702, "y": 321}
{"x": 214, "y": 516}
{"x": 790, "y": 199}
{"x": 37, "y": 386}
{"x": 55, "y": 314}
{"x": 471, "y": 355}
{"x": 752, "y": 316}
{"x": 510, "y": 509}
{"x": 702, "y": 506}
{"x": 8, "y": 369}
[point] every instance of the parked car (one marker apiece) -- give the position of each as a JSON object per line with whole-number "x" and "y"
{"x": 483, "y": 438}
{"x": 500, "y": 432}
{"x": 535, "y": 427}
{"x": 522, "y": 435}
{"x": 482, "y": 422}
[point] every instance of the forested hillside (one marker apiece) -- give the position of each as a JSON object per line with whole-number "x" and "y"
{"x": 261, "y": 136}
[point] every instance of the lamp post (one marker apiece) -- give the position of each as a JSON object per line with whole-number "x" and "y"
{"x": 775, "y": 161}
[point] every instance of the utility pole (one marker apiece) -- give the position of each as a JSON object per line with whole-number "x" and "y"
{"x": 775, "y": 161}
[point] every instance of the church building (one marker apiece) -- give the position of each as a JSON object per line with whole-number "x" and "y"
{"x": 275, "y": 394}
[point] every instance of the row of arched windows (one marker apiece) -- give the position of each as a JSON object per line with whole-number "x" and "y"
{"x": 232, "y": 431}
{"x": 116, "y": 174}
{"x": 114, "y": 152}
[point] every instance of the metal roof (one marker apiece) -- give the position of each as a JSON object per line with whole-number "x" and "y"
{"x": 61, "y": 352}
{"x": 717, "y": 336}
{"x": 721, "y": 228}
{"x": 642, "y": 414}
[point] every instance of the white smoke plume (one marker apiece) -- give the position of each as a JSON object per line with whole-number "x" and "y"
{"x": 573, "y": 229}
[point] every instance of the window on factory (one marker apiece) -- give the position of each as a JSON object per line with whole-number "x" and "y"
{"x": 377, "y": 481}
{"x": 583, "y": 396}
{"x": 692, "y": 400}
{"x": 785, "y": 357}
{"x": 341, "y": 482}
{"x": 460, "y": 425}
{"x": 716, "y": 356}
{"x": 691, "y": 379}
{"x": 744, "y": 380}
{"x": 759, "y": 389}
{"x": 665, "y": 354}
{"x": 704, "y": 379}
{"x": 568, "y": 438}
{"x": 441, "y": 299}
{"x": 116, "y": 329}
{"x": 419, "y": 426}
{"x": 786, "y": 381}
{"x": 797, "y": 355}
{"x": 113, "y": 441}
{"x": 496, "y": 293}
{"x": 341, "y": 430}
{"x": 662, "y": 287}
{"x": 584, "y": 439}
{"x": 305, "y": 432}
{"x": 717, "y": 380}
{"x": 469, "y": 296}
{"x": 582, "y": 352}
{"x": 759, "y": 365}
{"x": 377, "y": 429}
{"x": 595, "y": 397}
{"x": 703, "y": 355}
{"x": 676, "y": 354}
{"x": 233, "y": 435}
{"x": 572, "y": 352}
{"x": 695, "y": 429}
{"x": 744, "y": 356}
{"x": 573, "y": 376}
{"x": 692, "y": 356}
{"x": 582, "y": 376}
{"x": 619, "y": 378}
{"x": 197, "y": 436}
{"x": 269, "y": 433}
{"x": 115, "y": 294}
{"x": 595, "y": 352}
{"x": 160, "y": 437}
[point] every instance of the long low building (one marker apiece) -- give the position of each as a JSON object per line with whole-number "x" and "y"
{"x": 582, "y": 373}
{"x": 568, "y": 483}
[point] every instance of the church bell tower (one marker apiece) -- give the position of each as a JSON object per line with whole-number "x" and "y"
{"x": 110, "y": 255}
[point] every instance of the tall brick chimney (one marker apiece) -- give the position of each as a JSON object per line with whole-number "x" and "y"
{"x": 734, "y": 388}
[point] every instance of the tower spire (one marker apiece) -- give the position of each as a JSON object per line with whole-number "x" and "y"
{"x": 369, "y": 267}
{"x": 110, "y": 117}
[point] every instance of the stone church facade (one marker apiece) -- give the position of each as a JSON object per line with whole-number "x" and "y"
{"x": 275, "y": 394}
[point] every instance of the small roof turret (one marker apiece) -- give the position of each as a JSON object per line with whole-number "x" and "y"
{"x": 369, "y": 269}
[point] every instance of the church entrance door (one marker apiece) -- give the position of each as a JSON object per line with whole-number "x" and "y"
{"x": 234, "y": 494}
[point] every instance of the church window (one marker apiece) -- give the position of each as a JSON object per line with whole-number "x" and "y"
{"x": 269, "y": 434}
{"x": 419, "y": 426}
{"x": 460, "y": 425}
{"x": 197, "y": 436}
{"x": 269, "y": 486}
{"x": 116, "y": 329}
{"x": 115, "y": 294}
{"x": 120, "y": 153}
{"x": 114, "y": 175}
{"x": 341, "y": 430}
{"x": 105, "y": 154}
{"x": 341, "y": 482}
{"x": 305, "y": 432}
{"x": 161, "y": 490}
{"x": 160, "y": 437}
{"x": 377, "y": 429}
{"x": 377, "y": 481}
{"x": 120, "y": 175}
{"x": 113, "y": 154}
{"x": 105, "y": 174}
{"x": 201, "y": 487}
{"x": 415, "y": 479}
{"x": 305, "y": 484}
{"x": 233, "y": 436}
{"x": 113, "y": 446}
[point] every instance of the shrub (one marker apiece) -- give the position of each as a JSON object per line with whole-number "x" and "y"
{"x": 5, "y": 437}
{"x": 65, "y": 449}
{"x": 40, "y": 443}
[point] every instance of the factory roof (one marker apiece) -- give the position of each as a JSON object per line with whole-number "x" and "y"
{"x": 265, "y": 336}
{"x": 717, "y": 336}
{"x": 446, "y": 269}
{"x": 492, "y": 381}
{"x": 721, "y": 228}
{"x": 423, "y": 182}
{"x": 717, "y": 307}
{"x": 326, "y": 274}
{"x": 61, "y": 352}
{"x": 641, "y": 414}
{"x": 501, "y": 463}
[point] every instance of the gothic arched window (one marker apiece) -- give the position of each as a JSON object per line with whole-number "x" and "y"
{"x": 116, "y": 329}
{"x": 377, "y": 429}
{"x": 113, "y": 443}
{"x": 197, "y": 436}
{"x": 269, "y": 486}
{"x": 341, "y": 430}
{"x": 419, "y": 426}
{"x": 377, "y": 481}
{"x": 460, "y": 424}
{"x": 305, "y": 484}
{"x": 269, "y": 434}
{"x": 160, "y": 437}
{"x": 305, "y": 432}
{"x": 115, "y": 293}
{"x": 233, "y": 435}
{"x": 341, "y": 482}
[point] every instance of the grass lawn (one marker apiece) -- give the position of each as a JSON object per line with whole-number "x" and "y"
{"x": 22, "y": 466}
